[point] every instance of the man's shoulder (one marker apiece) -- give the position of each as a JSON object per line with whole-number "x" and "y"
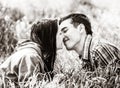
{"x": 99, "y": 43}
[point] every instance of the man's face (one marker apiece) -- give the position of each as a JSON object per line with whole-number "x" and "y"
{"x": 71, "y": 34}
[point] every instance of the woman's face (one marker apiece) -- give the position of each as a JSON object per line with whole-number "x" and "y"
{"x": 59, "y": 43}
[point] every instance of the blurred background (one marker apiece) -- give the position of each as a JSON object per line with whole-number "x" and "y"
{"x": 16, "y": 17}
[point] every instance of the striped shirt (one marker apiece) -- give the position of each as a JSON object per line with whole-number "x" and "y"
{"x": 99, "y": 52}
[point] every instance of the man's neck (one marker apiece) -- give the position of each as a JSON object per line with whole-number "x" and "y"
{"x": 80, "y": 46}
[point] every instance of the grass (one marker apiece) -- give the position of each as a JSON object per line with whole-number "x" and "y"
{"x": 100, "y": 78}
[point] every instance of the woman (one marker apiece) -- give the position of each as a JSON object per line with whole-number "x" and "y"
{"x": 44, "y": 33}
{"x": 38, "y": 53}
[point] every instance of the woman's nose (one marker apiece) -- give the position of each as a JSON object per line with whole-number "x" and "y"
{"x": 59, "y": 41}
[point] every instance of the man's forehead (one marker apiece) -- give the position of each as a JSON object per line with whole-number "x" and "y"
{"x": 65, "y": 23}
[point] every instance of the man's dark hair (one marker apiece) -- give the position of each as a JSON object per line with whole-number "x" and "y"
{"x": 78, "y": 18}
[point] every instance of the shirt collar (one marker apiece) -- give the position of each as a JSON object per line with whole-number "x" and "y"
{"x": 86, "y": 50}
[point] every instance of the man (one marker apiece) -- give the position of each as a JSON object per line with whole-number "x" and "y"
{"x": 77, "y": 35}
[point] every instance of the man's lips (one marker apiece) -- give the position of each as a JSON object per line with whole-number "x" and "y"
{"x": 65, "y": 39}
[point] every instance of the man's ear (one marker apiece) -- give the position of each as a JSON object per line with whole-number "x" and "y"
{"x": 81, "y": 27}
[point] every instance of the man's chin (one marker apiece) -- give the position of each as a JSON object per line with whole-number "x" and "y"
{"x": 68, "y": 48}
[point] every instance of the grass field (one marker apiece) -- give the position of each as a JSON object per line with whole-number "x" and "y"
{"x": 15, "y": 25}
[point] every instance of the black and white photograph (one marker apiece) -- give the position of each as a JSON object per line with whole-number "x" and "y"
{"x": 59, "y": 44}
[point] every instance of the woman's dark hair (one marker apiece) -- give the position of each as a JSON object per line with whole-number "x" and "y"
{"x": 78, "y": 18}
{"x": 44, "y": 33}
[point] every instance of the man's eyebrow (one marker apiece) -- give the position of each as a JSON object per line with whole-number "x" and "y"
{"x": 63, "y": 28}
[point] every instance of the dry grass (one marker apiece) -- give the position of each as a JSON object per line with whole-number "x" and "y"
{"x": 100, "y": 78}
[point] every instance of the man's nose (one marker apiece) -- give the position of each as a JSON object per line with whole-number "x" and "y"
{"x": 61, "y": 36}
